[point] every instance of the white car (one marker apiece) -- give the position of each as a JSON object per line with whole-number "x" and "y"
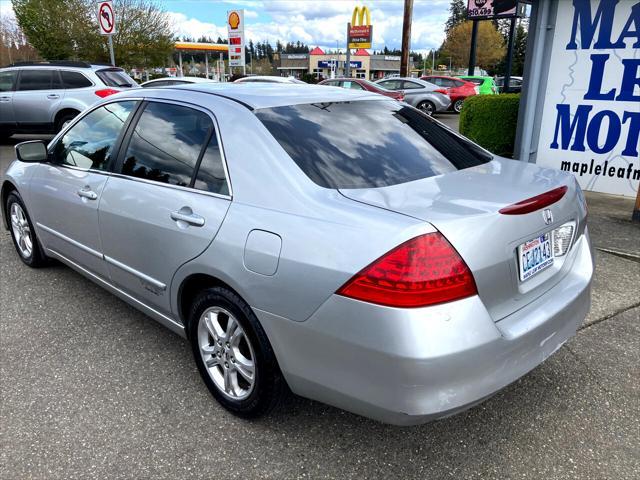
{"x": 268, "y": 79}
{"x": 167, "y": 81}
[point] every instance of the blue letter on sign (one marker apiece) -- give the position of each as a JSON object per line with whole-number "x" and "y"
{"x": 567, "y": 128}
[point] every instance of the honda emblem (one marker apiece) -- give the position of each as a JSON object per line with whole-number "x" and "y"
{"x": 547, "y": 215}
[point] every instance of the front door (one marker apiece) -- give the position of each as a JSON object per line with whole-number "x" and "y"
{"x": 65, "y": 192}
{"x": 165, "y": 202}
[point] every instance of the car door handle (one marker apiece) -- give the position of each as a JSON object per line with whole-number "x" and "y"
{"x": 185, "y": 215}
{"x": 86, "y": 192}
{"x": 5, "y": 99}
{"x": 53, "y": 96}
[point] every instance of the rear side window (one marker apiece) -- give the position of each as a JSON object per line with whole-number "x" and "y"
{"x": 367, "y": 144}
{"x": 37, "y": 80}
{"x": 411, "y": 85}
{"x": 167, "y": 143}
{"x": 211, "y": 176}
{"x": 115, "y": 77}
{"x": 7, "y": 81}
{"x": 391, "y": 84}
{"x": 74, "y": 79}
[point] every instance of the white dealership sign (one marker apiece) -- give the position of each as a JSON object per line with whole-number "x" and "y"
{"x": 591, "y": 118}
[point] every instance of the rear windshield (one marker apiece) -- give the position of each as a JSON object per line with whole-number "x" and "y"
{"x": 365, "y": 144}
{"x": 115, "y": 78}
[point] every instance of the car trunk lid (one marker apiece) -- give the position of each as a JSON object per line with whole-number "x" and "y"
{"x": 465, "y": 206}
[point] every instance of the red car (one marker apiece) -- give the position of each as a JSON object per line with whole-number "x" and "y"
{"x": 362, "y": 84}
{"x": 457, "y": 89}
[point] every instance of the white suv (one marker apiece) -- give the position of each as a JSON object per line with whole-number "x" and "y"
{"x": 43, "y": 97}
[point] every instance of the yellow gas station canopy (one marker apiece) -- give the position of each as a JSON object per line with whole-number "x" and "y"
{"x": 203, "y": 47}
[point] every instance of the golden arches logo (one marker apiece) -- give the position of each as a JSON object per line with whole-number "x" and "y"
{"x": 360, "y": 14}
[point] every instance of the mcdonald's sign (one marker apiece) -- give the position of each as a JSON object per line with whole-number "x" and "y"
{"x": 360, "y": 28}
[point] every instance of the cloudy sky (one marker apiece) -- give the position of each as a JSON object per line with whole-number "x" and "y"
{"x": 314, "y": 22}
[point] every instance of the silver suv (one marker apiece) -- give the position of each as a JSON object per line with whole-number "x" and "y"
{"x": 44, "y": 97}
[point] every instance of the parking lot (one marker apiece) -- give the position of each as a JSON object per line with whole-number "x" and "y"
{"x": 91, "y": 388}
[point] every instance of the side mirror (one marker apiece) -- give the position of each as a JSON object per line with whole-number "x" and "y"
{"x": 33, "y": 151}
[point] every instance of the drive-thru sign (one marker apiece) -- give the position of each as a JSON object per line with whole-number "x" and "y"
{"x": 106, "y": 18}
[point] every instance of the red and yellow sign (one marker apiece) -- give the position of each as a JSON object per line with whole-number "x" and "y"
{"x": 360, "y": 30}
{"x": 234, "y": 20}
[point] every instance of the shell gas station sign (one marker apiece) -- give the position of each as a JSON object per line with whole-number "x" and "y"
{"x": 235, "y": 31}
{"x": 360, "y": 28}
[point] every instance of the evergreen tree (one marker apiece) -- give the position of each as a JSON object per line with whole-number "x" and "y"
{"x": 457, "y": 14}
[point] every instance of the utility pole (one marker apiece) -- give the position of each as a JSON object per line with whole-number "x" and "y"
{"x": 472, "y": 52}
{"x": 347, "y": 63}
{"x": 636, "y": 210}
{"x": 506, "y": 84}
{"x": 406, "y": 38}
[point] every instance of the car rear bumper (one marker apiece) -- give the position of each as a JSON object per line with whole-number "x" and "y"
{"x": 409, "y": 366}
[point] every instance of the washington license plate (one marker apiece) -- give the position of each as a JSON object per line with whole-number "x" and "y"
{"x": 534, "y": 256}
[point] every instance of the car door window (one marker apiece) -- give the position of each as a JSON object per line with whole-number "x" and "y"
{"x": 445, "y": 82}
{"x": 391, "y": 84}
{"x": 35, "y": 80}
{"x": 7, "y": 81}
{"x": 89, "y": 143}
{"x": 411, "y": 85}
{"x": 211, "y": 175}
{"x": 434, "y": 80}
{"x": 352, "y": 86}
{"x": 74, "y": 80}
{"x": 167, "y": 143}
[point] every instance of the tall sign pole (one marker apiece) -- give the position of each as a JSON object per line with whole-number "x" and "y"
{"x": 359, "y": 34}
{"x": 506, "y": 85}
{"x": 347, "y": 62}
{"x": 472, "y": 50}
{"x": 107, "y": 25}
{"x": 406, "y": 38}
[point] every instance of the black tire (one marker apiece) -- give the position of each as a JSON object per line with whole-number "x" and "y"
{"x": 457, "y": 106}
{"x": 427, "y": 107}
{"x": 36, "y": 259}
{"x": 269, "y": 386}
{"x": 63, "y": 119}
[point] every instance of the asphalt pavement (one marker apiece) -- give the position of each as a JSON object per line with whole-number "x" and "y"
{"x": 91, "y": 388}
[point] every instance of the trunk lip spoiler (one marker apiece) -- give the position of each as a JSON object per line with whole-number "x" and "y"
{"x": 535, "y": 203}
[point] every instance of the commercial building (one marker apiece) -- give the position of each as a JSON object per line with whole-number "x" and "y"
{"x": 326, "y": 65}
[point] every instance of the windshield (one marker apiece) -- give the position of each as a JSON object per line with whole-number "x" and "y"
{"x": 115, "y": 78}
{"x": 370, "y": 143}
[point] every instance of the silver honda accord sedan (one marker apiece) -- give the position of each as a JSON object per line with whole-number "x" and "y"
{"x": 335, "y": 243}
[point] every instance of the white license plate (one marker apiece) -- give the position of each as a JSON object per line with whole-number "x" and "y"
{"x": 534, "y": 256}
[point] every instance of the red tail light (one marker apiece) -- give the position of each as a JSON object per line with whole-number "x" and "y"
{"x": 535, "y": 203}
{"x": 425, "y": 270}
{"x": 105, "y": 92}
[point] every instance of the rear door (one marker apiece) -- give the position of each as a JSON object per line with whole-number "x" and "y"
{"x": 7, "y": 84}
{"x": 165, "y": 201}
{"x": 37, "y": 96}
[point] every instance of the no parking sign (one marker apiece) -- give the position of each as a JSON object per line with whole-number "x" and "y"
{"x": 106, "y": 18}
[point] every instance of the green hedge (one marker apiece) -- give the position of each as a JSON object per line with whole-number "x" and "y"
{"x": 490, "y": 120}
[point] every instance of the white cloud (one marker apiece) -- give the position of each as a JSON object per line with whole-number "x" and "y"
{"x": 191, "y": 27}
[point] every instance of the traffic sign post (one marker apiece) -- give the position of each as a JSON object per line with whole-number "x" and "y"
{"x": 107, "y": 24}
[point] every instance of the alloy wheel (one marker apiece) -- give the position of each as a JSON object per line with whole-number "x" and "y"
{"x": 227, "y": 353}
{"x": 21, "y": 230}
{"x": 427, "y": 107}
{"x": 458, "y": 106}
